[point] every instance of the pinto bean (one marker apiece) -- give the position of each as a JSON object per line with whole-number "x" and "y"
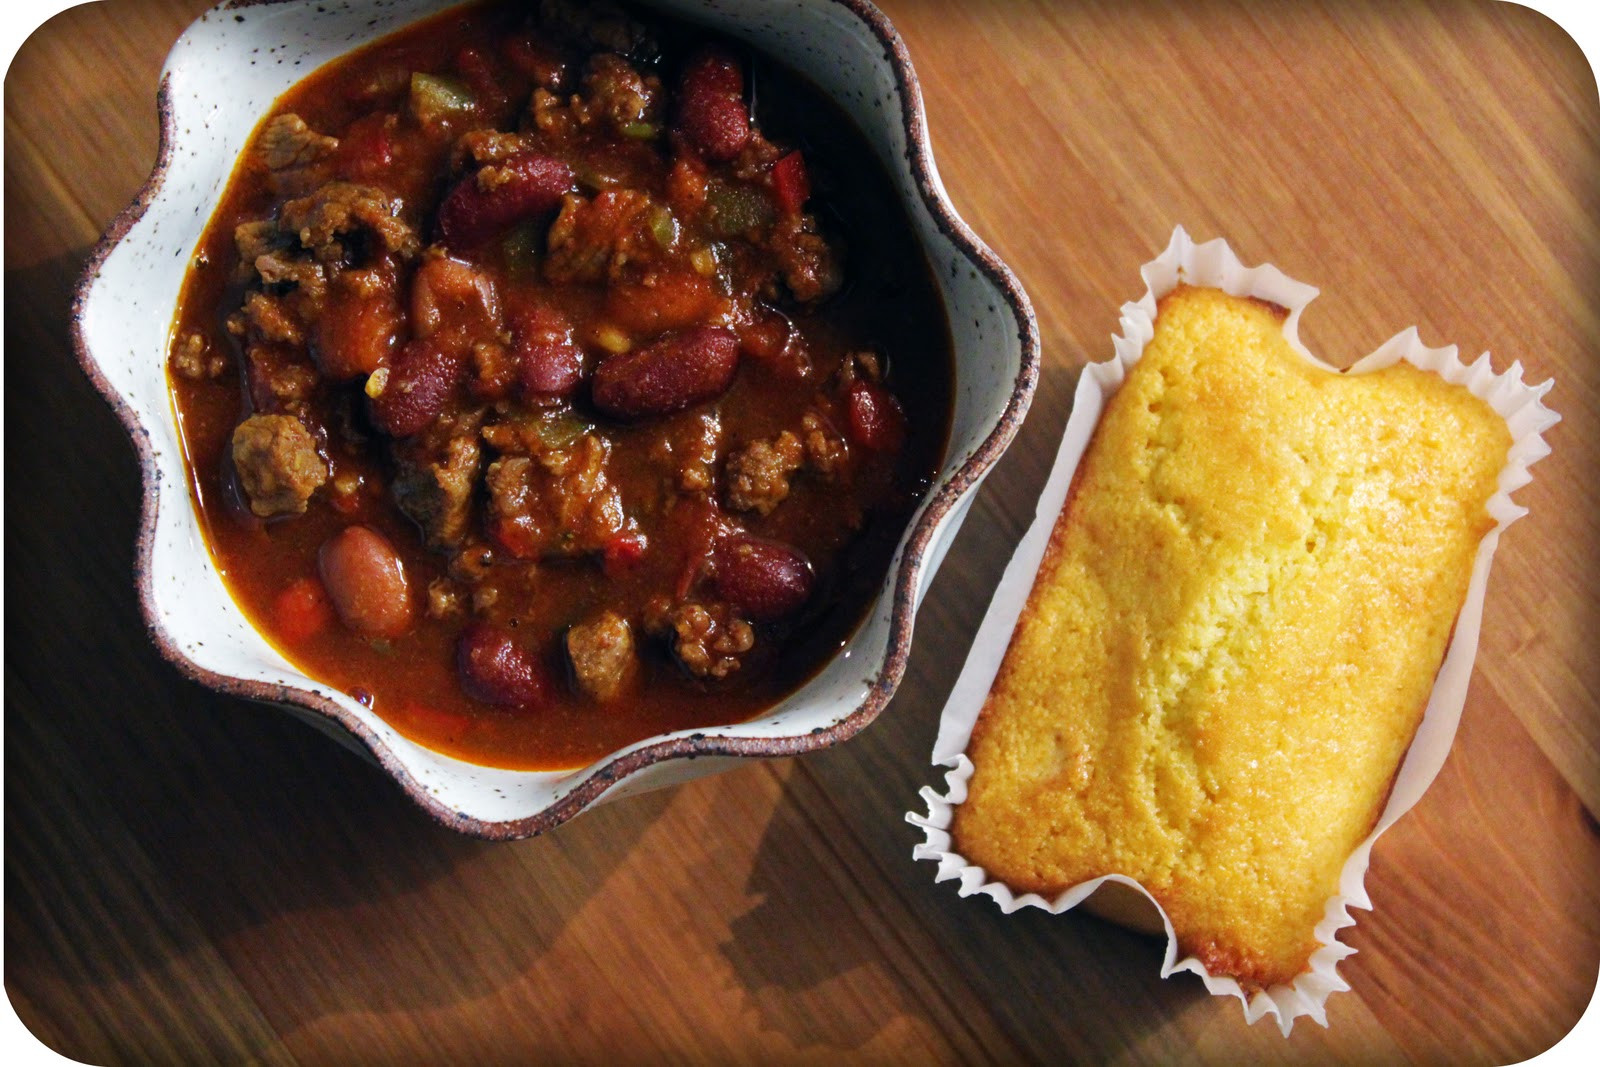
{"x": 674, "y": 373}
{"x": 416, "y": 387}
{"x": 712, "y": 113}
{"x": 497, "y": 670}
{"x": 366, "y": 582}
{"x": 763, "y": 579}
{"x": 486, "y": 203}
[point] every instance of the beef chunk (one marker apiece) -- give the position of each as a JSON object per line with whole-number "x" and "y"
{"x": 485, "y": 147}
{"x": 287, "y": 142}
{"x": 708, "y": 639}
{"x": 494, "y": 370}
{"x": 807, "y": 262}
{"x": 341, "y": 219}
{"x": 434, "y": 483}
{"x": 601, "y": 654}
{"x": 270, "y": 319}
{"x": 690, "y": 448}
{"x": 283, "y": 270}
{"x": 616, "y": 91}
{"x": 592, "y": 240}
{"x": 193, "y": 358}
{"x": 758, "y": 475}
{"x": 279, "y": 377}
{"x": 257, "y": 239}
{"x": 615, "y": 95}
{"x": 826, "y": 450}
{"x": 444, "y": 599}
{"x": 278, "y": 464}
{"x": 556, "y": 502}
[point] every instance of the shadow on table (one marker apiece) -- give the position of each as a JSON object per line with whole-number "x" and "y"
{"x": 851, "y": 937}
{"x": 150, "y": 821}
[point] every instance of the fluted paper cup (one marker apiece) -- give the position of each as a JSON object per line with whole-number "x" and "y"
{"x": 1213, "y": 264}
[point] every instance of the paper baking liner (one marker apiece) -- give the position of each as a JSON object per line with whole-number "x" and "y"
{"x": 1213, "y": 264}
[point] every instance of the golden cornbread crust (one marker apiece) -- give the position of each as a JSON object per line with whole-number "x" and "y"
{"x": 1233, "y": 634}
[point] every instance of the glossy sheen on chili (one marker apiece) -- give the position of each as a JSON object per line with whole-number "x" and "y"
{"x": 553, "y": 376}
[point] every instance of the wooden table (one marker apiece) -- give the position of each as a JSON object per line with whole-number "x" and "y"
{"x": 192, "y": 878}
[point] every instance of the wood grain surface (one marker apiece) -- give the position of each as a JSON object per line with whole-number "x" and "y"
{"x": 190, "y": 878}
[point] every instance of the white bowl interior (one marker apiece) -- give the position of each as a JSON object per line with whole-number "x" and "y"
{"x": 223, "y": 74}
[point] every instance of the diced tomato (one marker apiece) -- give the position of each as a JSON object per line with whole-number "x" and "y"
{"x": 349, "y": 504}
{"x": 875, "y": 418}
{"x": 515, "y": 536}
{"x": 697, "y": 526}
{"x": 791, "y": 184}
{"x": 672, "y": 301}
{"x": 357, "y": 331}
{"x": 686, "y": 187}
{"x": 764, "y": 338}
{"x": 623, "y": 552}
{"x": 366, "y": 151}
{"x": 301, "y": 611}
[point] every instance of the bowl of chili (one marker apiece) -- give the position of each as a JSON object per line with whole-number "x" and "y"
{"x": 557, "y": 406}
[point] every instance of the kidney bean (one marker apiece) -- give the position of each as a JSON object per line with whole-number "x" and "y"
{"x": 497, "y": 670}
{"x": 418, "y": 385}
{"x": 874, "y": 418}
{"x": 549, "y": 362}
{"x": 763, "y": 579}
{"x": 712, "y": 113}
{"x": 366, "y": 582}
{"x": 669, "y": 375}
{"x": 713, "y": 70}
{"x": 532, "y": 185}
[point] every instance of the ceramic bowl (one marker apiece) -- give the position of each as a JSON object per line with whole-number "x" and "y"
{"x": 220, "y": 77}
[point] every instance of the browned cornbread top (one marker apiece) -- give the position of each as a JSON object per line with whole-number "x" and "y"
{"x": 1233, "y": 634}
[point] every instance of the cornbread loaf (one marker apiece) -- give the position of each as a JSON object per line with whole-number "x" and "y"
{"x": 1233, "y": 634}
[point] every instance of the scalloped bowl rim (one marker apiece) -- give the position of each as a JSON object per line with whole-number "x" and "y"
{"x": 932, "y": 528}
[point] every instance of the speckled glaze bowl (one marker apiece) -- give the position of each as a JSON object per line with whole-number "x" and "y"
{"x": 220, "y": 77}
